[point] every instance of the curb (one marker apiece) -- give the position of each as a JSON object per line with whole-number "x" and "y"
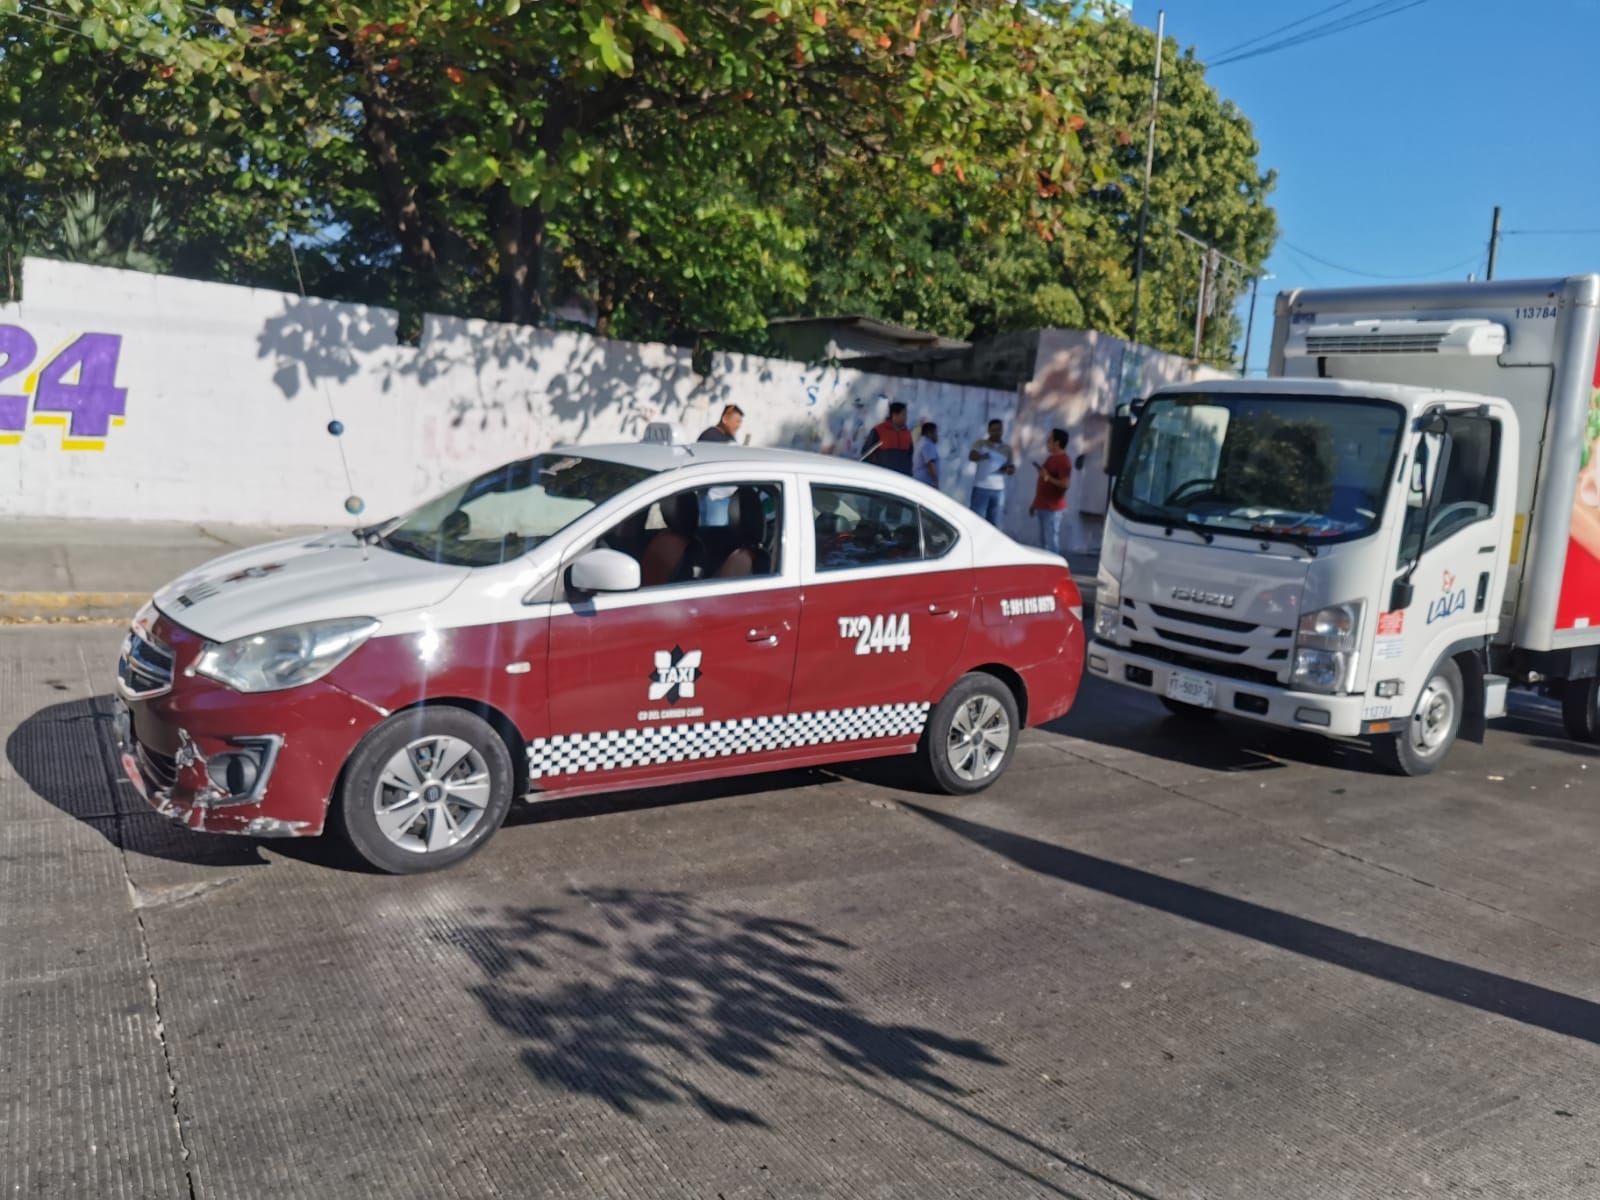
{"x": 37, "y": 608}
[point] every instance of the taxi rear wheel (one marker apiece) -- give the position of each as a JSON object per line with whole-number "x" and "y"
{"x": 424, "y": 790}
{"x": 970, "y": 736}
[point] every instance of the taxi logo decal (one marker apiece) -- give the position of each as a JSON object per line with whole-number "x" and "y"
{"x": 675, "y": 674}
{"x": 878, "y": 634}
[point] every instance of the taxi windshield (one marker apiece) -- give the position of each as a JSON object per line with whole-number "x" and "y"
{"x": 1276, "y": 467}
{"x": 504, "y": 513}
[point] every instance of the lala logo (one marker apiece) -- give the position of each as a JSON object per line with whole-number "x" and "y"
{"x": 1451, "y": 600}
{"x": 675, "y": 675}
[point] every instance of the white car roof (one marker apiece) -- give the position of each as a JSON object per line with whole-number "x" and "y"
{"x": 655, "y": 456}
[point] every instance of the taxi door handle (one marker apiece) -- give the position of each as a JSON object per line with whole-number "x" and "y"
{"x": 763, "y": 637}
{"x": 943, "y": 613}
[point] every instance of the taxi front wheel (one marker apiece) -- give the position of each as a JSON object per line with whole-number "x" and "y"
{"x": 424, "y": 790}
{"x": 970, "y": 736}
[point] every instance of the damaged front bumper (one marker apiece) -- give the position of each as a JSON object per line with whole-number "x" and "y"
{"x": 221, "y": 761}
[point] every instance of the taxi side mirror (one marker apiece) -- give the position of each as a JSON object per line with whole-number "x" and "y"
{"x": 604, "y": 571}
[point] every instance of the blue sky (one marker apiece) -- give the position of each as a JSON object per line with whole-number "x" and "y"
{"x": 1394, "y": 141}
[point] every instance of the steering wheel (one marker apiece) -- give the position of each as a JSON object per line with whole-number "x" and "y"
{"x": 1197, "y": 486}
{"x": 1455, "y": 516}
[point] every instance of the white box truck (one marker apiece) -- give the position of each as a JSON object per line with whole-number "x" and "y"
{"x": 1377, "y": 540}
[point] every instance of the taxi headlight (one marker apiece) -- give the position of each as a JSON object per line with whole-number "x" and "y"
{"x": 284, "y": 658}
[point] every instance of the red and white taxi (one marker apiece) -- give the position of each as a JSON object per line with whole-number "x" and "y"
{"x": 585, "y": 620}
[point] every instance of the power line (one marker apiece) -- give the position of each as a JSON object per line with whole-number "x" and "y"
{"x": 1476, "y": 257}
{"x": 1362, "y": 16}
{"x": 1550, "y": 232}
{"x": 1261, "y": 37}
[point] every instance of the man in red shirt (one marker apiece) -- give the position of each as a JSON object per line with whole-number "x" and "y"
{"x": 1050, "y": 496}
{"x": 889, "y": 444}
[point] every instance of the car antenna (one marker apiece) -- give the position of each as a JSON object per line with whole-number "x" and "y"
{"x": 353, "y": 504}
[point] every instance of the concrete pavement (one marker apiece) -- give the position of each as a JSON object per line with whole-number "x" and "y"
{"x": 1153, "y": 962}
{"x": 63, "y": 570}
{"x": 79, "y": 570}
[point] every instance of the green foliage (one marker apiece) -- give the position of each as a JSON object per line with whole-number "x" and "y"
{"x": 688, "y": 166}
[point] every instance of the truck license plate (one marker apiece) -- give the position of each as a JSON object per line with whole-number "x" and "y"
{"x": 1191, "y": 689}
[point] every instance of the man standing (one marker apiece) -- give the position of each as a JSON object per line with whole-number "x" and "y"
{"x": 1050, "y": 495}
{"x": 889, "y": 444}
{"x": 925, "y": 460}
{"x": 995, "y": 462}
{"x": 727, "y": 429}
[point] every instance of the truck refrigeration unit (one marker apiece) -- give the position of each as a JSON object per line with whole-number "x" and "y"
{"x": 1379, "y": 539}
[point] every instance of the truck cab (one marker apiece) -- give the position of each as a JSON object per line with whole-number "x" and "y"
{"x": 1375, "y": 541}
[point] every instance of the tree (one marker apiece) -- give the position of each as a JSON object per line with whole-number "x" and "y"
{"x": 476, "y": 131}
{"x": 1073, "y": 265}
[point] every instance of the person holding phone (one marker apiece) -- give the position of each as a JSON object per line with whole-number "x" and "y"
{"x": 1050, "y": 493}
{"x": 995, "y": 462}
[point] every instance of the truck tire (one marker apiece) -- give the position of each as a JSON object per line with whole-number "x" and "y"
{"x": 424, "y": 790}
{"x": 1580, "y": 709}
{"x": 970, "y": 736}
{"x": 1431, "y": 729}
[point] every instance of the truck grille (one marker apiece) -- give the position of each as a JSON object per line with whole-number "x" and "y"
{"x": 1208, "y": 642}
{"x": 145, "y": 667}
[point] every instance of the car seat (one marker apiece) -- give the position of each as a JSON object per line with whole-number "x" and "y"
{"x": 750, "y": 555}
{"x": 674, "y": 554}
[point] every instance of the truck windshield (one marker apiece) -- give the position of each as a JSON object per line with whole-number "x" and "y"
{"x": 506, "y": 512}
{"x": 1284, "y": 467}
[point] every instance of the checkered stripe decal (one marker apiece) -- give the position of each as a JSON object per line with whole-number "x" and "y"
{"x": 657, "y": 744}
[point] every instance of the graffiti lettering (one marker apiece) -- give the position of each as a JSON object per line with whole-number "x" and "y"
{"x": 76, "y": 389}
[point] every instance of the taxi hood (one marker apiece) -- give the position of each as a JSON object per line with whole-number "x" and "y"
{"x": 299, "y": 580}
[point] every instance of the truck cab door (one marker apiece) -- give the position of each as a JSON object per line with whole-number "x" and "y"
{"x": 1453, "y": 548}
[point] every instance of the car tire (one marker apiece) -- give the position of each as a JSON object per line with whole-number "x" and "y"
{"x": 424, "y": 790}
{"x": 1431, "y": 728}
{"x": 1188, "y": 712}
{"x": 970, "y": 736}
{"x": 1580, "y": 709}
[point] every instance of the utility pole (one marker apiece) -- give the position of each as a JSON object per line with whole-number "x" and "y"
{"x": 1494, "y": 242}
{"x": 1208, "y": 266}
{"x": 1149, "y": 167}
{"x": 1249, "y": 327}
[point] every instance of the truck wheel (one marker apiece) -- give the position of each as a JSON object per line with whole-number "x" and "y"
{"x": 1188, "y": 712}
{"x": 1580, "y": 709}
{"x": 424, "y": 790}
{"x": 970, "y": 736}
{"x": 1432, "y": 729}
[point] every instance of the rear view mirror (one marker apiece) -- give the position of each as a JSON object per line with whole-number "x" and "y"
{"x": 1121, "y": 435}
{"x": 604, "y": 571}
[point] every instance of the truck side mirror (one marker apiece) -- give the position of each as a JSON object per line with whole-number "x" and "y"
{"x": 1401, "y": 595}
{"x": 1121, "y": 436}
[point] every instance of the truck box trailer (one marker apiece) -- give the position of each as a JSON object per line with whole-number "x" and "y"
{"x": 1379, "y": 539}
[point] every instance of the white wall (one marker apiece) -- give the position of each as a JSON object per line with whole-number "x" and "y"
{"x": 227, "y": 393}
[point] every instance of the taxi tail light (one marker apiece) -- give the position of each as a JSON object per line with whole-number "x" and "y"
{"x": 1068, "y": 598}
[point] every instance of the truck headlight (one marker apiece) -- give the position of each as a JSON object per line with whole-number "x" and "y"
{"x": 1325, "y": 649}
{"x": 284, "y": 658}
{"x": 1107, "y": 607}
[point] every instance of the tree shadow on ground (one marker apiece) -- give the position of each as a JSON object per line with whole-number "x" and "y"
{"x": 1527, "y": 1003}
{"x": 65, "y": 753}
{"x": 672, "y": 993}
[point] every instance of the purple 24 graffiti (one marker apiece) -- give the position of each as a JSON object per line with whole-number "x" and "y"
{"x": 90, "y": 401}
